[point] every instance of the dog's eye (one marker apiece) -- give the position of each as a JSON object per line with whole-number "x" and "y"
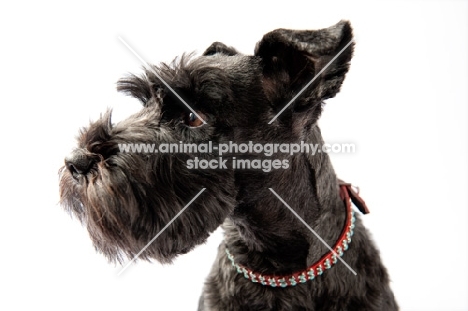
{"x": 192, "y": 120}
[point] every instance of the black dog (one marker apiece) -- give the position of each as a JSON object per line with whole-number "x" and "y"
{"x": 269, "y": 260}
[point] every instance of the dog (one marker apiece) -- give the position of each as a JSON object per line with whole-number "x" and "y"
{"x": 292, "y": 241}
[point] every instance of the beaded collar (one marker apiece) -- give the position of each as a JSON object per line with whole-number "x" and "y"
{"x": 316, "y": 269}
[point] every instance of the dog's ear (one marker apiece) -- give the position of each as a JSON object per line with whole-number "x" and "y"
{"x": 220, "y": 48}
{"x": 292, "y": 58}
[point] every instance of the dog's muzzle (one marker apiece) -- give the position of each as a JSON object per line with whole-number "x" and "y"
{"x": 80, "y": 162}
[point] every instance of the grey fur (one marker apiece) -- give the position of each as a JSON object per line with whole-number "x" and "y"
{"x": 125, "y": 199}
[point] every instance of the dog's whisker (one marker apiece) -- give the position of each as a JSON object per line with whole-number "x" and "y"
{"x": 159, "y": 233}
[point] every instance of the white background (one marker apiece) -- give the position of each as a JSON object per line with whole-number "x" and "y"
{"x": 404, "y": 103}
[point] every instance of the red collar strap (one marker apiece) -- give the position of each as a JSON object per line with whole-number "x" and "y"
{"x": 347, "y": 193}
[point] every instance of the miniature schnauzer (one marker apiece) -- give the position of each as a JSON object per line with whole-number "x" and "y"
{"x": 292, "y": 241}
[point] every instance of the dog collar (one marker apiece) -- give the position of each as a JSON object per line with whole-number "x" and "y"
{"x": 326, "y": 262}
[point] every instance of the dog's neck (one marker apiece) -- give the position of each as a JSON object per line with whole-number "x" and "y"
{"x": 264, "y": 235}
{"x": 312, "y": 271}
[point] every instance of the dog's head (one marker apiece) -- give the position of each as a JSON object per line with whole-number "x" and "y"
{"x": 126, "y": 197}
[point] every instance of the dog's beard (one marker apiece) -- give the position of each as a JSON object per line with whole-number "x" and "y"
{"x": 128, "y": 199}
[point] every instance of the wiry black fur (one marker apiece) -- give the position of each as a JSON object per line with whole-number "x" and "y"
{"x": 125, "y": 199}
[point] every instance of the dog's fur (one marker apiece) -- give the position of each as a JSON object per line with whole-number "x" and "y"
{"x": 125, "y": 199}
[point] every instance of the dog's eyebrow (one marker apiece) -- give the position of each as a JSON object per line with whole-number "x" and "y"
{"x": 171, "y": 102}
{"x": 161, "y": 79}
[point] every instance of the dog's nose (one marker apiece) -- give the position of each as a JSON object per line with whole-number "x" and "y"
{"x": 79, "y": 163}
